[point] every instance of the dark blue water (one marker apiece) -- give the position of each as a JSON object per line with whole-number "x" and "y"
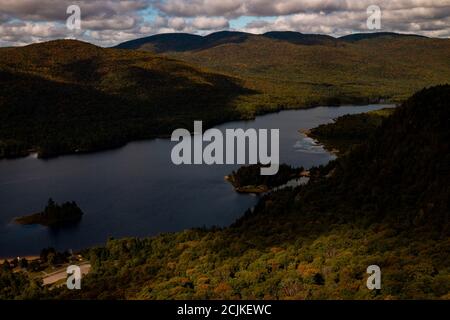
{"x": 137, "y": 191}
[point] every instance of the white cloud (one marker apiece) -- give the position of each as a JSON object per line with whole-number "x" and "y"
{"x": 22, "y": 33}
{"x": 193, "y": 8}
{"x": 107, "y": 22}
{"x": 214, "y": 23}
{"x": 415, "y": 20}
{"x": 177, "y": 23}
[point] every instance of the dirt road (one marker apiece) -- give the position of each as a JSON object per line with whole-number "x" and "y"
{"x": 62, "y": 274}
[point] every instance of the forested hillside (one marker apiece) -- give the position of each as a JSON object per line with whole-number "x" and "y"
{"x": 386, "y": 202}
{"x": 289, "y": 69}
{"x": 69, "y": 96}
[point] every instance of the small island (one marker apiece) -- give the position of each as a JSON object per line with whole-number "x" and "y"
{"x": 54, "y": 215}
{"x": 248, "y": 179}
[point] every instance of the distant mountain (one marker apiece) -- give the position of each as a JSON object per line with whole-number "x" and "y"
{"x": 225, "y": 37}
{"x": 66, "y": 96}
{"x": 301, "y": 38}
{"x": 165, "y": 42}
{"x": 364, "y": 36}
{"x": 180, "y": 42}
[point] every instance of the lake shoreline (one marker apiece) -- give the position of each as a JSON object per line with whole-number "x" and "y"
{"x": 307, "y": 133}
{"x": 29, "y": 257}
{"x": 292, "y": 121}
{"x": 35, "y": 153}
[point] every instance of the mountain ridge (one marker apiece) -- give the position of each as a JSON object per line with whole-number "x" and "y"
{"x": 166, "y": 42}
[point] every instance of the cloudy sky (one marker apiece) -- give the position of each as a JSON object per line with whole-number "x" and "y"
{"x": 109, "y": 22}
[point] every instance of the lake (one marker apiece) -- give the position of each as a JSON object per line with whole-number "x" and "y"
{"x": 137, "y": 191}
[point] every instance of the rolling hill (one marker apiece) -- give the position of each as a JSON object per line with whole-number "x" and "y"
{"x": 373, "y": 35}
{"x": 290, "y": 69}
{"x": 69, "y": 96}
{"x": 181, "y": 42}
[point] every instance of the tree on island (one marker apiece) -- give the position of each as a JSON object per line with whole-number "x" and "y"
{"x": 54, "y": 214}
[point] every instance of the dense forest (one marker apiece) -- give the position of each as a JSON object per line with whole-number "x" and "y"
{"x": 349, "y": 130}
{"x": 67, "y": 96}
{"x": 385, "y": 202}
{"x": 290, "y": 69}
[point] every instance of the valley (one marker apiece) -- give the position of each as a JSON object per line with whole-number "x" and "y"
{"x": 76, "y": 97}
{"x": 154, "y": 230}
{"x": 379, "y": 203}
